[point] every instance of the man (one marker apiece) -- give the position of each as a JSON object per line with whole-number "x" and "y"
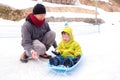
{"x": 37, "y": 36}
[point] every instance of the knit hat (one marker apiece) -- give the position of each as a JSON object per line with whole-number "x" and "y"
{"x": 39, "y": 9}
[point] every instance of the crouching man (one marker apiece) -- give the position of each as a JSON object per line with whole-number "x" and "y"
{"x": 37, "y": 37}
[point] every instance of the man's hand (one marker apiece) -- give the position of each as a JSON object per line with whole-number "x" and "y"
{"x": 35, "y": 55}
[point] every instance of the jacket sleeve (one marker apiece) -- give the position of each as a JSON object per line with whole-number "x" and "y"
{"x": 47, "y": 26}
{"x": 59, "y": 48}
{"x": 78, "y": 50}
{"x": 26, "y": 38}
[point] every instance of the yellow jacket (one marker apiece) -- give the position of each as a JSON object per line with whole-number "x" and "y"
{"x": 70, "y": 48}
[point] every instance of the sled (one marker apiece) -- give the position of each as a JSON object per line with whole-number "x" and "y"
{"x": 62, "y": 67}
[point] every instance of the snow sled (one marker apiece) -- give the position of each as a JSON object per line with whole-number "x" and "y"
{"x": 62, "y": 67}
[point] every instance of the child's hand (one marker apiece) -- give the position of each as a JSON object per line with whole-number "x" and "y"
{"x": 56, "y": 53}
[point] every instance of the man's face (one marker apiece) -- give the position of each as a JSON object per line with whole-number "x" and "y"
{"x": 40, "y": 16}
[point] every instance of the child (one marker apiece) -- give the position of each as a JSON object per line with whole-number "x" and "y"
{"x": 68, "y": 51}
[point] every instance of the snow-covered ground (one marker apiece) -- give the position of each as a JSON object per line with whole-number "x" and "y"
{"x": 101, "y": 51}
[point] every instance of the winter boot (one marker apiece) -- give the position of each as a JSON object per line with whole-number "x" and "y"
{"x": 45, "y": 56}
{"x": 55, "y": 61}
{"x": 68, "y": 62}
{"x": 24, "y": 58}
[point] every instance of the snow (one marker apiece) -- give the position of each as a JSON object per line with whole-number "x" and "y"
{"x": 18, "y": 4}
{"x": 107, "y": 1}
{"x": 101, "y": 51}
{"x": 65, "y": 14}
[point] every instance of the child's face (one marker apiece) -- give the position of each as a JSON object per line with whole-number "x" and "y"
{"x": 65, "y": 37}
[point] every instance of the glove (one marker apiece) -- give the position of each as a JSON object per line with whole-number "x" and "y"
{"x": 56, "y": 53}
{"x": 77, "y": 58}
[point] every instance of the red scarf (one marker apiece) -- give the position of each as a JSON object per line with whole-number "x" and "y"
{"x": 36, "y": 21}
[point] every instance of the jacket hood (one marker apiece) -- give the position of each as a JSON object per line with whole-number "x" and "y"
{"x": 69, "y": 31}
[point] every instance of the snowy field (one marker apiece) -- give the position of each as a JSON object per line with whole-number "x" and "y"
{"x": 101, "y": 51}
